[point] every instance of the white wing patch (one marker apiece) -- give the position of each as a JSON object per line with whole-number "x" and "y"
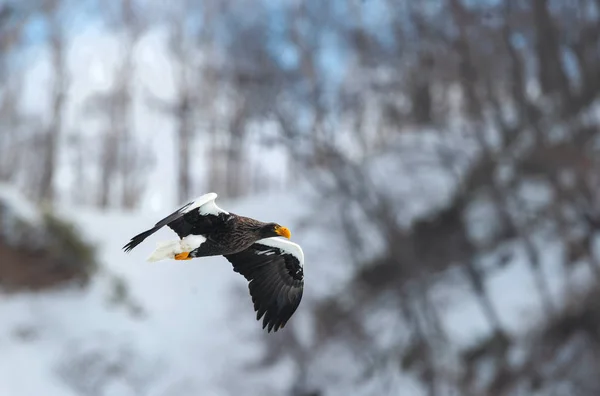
{"x": 286, "y": 246}
{"x": 206, "y": 205}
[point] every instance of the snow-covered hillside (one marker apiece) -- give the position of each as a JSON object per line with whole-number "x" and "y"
{"x": 195, "y": 327}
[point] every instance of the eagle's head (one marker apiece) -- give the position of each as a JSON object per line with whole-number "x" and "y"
{"x": 275, "y": 230}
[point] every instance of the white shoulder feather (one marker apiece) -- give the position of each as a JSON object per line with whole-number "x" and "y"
{"x": 285, "y": 246}
{"x": 206, "y": 205}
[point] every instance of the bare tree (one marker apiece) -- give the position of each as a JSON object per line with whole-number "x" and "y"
{"x": 183, "y": 110}
{"x": 52, "y": 140}
{"x": 123, "y": 158}
{"x": 131, "y": 157}
{"x": 11, "y": 139}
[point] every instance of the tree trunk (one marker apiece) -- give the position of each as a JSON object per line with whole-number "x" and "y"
{"x": 108, "y": 168}
{"x": 551, "y": 74}
{"x": 184, "y": 133}
{"x": 53, "y": 134}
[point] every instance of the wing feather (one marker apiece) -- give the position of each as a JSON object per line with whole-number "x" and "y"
{"x": 196, "y": 217}
{"x": 274, "y": 270}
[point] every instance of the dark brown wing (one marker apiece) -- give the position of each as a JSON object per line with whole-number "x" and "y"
{"x": 274, "y": 269}
{"x": 197, "y": 217}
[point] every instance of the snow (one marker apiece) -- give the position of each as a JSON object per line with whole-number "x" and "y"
{"x": 192, "y": 314}
{"x": 194, "y": 327}
{"x": 189, "y": 303}
{"x": 20, "y": 206}
{"x": 19, "y": 220}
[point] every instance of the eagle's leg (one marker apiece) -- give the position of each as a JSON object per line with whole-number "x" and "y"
{"x": 183, "y": 256}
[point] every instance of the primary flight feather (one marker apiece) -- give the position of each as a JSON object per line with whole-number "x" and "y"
{"x": 274, "y": 267}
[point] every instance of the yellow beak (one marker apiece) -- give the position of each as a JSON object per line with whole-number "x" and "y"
{"x": 284, "y": 232}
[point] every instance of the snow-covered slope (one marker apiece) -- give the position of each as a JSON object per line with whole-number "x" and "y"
{"x": 193, "y": 334}
{"x": 198, "y": 327}
{"x": 202, "y": 328}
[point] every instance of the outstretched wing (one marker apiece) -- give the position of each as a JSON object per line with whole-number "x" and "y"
{"x": 274, "y": 268}
{"x": 197, "y": 217}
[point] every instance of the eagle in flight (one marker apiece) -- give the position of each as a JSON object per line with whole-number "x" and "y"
{"x": 273, "y": 266}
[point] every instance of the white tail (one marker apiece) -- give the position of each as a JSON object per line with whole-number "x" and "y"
{"x": 168, "y": 249}
{"x": 165, "y": 250}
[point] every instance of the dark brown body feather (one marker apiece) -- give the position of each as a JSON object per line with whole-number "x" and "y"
{"x": 226, "y": 233}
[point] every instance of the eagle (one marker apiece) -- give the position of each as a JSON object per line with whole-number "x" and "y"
{"x": 261, "y": 252}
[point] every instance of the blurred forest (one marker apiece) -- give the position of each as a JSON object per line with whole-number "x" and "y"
{"x": 450, "y": 137}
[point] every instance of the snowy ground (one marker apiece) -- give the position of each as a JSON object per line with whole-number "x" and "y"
{"x": 196, "y": 331}
{"x": 195, "y": 328}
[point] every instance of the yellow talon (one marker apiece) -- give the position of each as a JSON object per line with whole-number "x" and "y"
{"x": 183, "y": 256}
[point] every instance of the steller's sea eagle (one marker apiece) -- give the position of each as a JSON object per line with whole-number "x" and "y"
{"x": 273, "y": 266}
